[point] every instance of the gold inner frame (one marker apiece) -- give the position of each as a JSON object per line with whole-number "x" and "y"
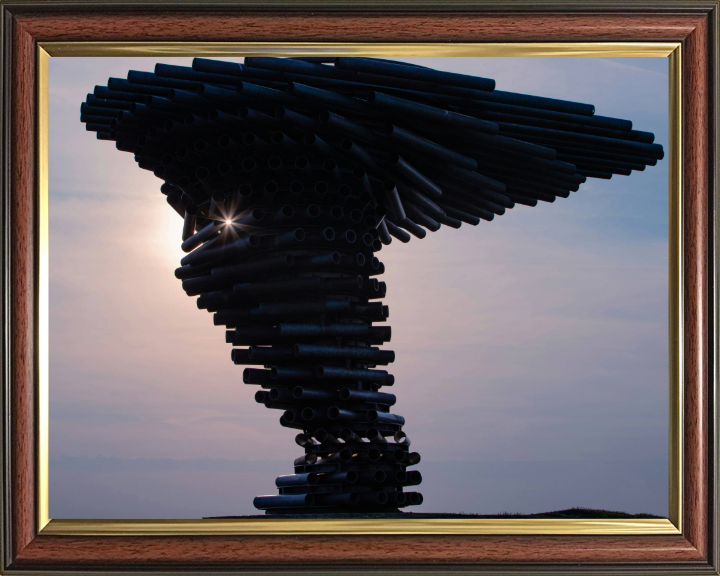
{"x": 269, "y": 526}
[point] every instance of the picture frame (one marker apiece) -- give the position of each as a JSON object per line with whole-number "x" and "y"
{"x": 34, "y": 30}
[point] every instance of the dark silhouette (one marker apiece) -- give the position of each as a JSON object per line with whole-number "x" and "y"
{"x": 290, "y": 175}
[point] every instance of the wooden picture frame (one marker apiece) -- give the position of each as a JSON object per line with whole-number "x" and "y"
{"x": 31, "y": 545}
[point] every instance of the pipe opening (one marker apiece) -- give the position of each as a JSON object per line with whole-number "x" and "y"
{"x": 271, "y": 187}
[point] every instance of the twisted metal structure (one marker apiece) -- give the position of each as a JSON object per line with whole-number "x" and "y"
{"x": 290, "y": 175}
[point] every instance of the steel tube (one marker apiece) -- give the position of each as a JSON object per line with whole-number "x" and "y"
{"x": 397, "y": 70}
{"x": 309, "y": 478}
{"x": 366, "y": 396}
{"x": 284, "y": 501}
{"x": 334, "y": 373}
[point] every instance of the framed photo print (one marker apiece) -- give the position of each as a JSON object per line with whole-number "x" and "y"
{"x": 530, "y": 191}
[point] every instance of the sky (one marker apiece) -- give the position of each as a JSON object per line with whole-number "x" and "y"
{"x": 532, "y": 351}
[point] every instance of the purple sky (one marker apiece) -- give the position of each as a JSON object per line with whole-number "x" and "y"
{"x": 531, "y": 351}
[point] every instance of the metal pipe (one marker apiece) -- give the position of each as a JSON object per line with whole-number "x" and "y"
{"x": 343, "y": 499}
{"x": 360, "y": 155}
{"x": 216, "y": 67}
{"x": 419, "y": 216}
{"x": 393, "y": 197}
{"x": 263, "y": 94}
{"x": 263, "y": 265}
{"x": 303, "y": 92}
{"x": 397, "y": 70}
{"x": 105, "y": 93}
{"x": 429, "y": 147}
{"x": 349, "y": 436}
{"x": 324, "y": 437}
{"x": 414, "y": 175}
{"x": 232, "y": 249}
{"x": 256, "y": 376}
{"x": 412, "y": 459}
{"x": 373, "y": 498}
{"x": 413, "y": 498}
{"x": 283, "y": 501}
{"x": 401, "y": 438}
{"x": 421, "y": 201}
{"x": 343, "y": 455}
{"x": 367, "y": 353}
{"x": 122, "y": 85}
{"x": 349, "y": 477}
{"x": 372, "y": 476}
{"x": 274, "y": 354}
{"x": 413, "y": 478}
{"x": 396, "y": 232}
{"x": 297, "y": 119}
{"x": 309, "y": 458}
{"x": 411, "y": 227}
{"x": 191, "y": 211}
{"x": 516, "y": 130}
{"x": 150, "y": 79}
{"x": 309, "y": 478}
{"x": 292, "y": 373}
{"x": 334, "y": 121}
{"x": 304, "y": 440}
{"x": 395, "y": 105}
{"x": 366, "y": 396}
{"x": 385, "y": 417}
{"x": 312, "y": 395}
{"x": 375, "y": 376}
{"x": 374, "y": 435}
{"x": 397, "y": 498}
{"x": 336, "y": 414}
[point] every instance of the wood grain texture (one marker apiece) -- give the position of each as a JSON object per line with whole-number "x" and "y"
{"x": 696, "y": 190}
{"x": 209, "y": 552}
{"x": 254, "y": 27}
{"x": 390, "y": 551}
{"x": 22, "y": 291}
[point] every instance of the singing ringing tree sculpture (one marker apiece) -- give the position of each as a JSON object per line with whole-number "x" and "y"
{"x": 291, "y": 175}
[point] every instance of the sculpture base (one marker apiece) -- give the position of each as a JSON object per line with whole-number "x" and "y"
{"x": 332, "y": 512}
{"x": 574, "y": 513}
